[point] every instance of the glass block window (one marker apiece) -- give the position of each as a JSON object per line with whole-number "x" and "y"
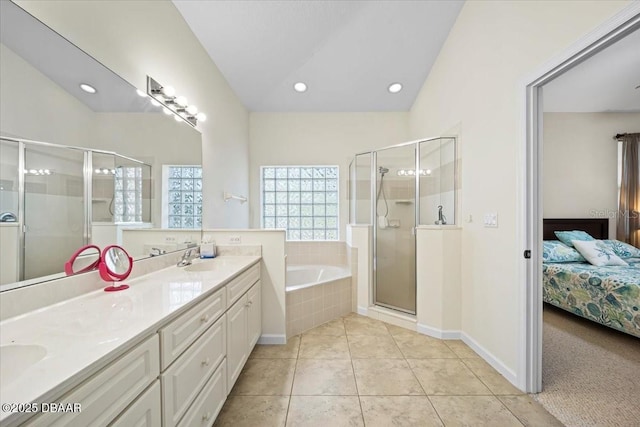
{"x": 128, "y": 194}
{"x": 301, "y": 199}
{"x": 184, "y": 196}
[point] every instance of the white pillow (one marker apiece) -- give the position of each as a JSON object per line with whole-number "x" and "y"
{"x": 597, "y": 252}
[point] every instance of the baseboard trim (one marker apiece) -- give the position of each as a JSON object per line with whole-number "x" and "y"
{"x": 439, "y": 333}
{"x": 509, "y": 374}
{"x": 362, "y": 311}
{"x": 271, "y": 339}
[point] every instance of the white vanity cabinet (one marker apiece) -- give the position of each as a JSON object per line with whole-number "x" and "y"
{"x": 244, "y": 326}
{"x": 106, "y": 394}
{"x": 195, "y": 379}
{"x": 179, "y": 376}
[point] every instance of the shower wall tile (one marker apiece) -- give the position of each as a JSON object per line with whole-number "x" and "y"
{"x": 325, "y": 253}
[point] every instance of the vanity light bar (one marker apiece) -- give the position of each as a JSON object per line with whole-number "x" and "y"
{"x": 412, "y": 172}
{"x": 38, "y": 172}
{"x": 166, "y": 96}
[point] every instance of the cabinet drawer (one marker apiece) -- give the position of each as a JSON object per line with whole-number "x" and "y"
{"x": 240, "y": 284}
{"x": 207, "y": 406}
{"x": 179, "y": 334}
{"x": 182, "y": 382}
{"x": 110, "y": 391}
{"x": 144, "y": 412}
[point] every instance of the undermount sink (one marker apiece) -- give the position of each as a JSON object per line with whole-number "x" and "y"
{"x": 15, "y": 359}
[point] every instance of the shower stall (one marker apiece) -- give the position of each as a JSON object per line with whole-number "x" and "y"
{"x": 395, "y": 190}
{"x": 55, "y": 199}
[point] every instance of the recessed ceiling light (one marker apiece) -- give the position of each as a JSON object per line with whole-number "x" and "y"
{"x": 395, "y": 87}
{"x": 88, "y": 88}
{"x": 300, "y": 87}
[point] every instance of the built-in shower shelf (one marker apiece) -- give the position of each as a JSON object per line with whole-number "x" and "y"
{"x": 404, "y": 202}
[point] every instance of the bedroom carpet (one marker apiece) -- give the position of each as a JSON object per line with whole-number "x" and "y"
{"x": 590, "y": 373}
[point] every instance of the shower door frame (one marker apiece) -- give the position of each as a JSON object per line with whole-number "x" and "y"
{"x": 87, "y": 192}
{"x": 374, "y": 219}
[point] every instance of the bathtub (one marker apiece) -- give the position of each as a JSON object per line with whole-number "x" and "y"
{"x": 316, "y": 294}
{"x": 304, "y": 276}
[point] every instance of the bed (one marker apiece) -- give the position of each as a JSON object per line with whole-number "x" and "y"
{"x": 609, "y": 295}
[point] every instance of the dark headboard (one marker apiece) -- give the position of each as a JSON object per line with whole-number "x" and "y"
{"x": 597, "y": 227}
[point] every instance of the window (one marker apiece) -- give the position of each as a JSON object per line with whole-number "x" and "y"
{"x": 182, "y": 196}
{"x": 301, "y": 199}
{"x": 128, "y": 194}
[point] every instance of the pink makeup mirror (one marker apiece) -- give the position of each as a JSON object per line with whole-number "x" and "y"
{"x": 115, "y": 266}
{"x": 83, "y": 260}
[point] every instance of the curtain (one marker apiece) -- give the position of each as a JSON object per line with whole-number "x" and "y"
{"x": 628, "y": 227}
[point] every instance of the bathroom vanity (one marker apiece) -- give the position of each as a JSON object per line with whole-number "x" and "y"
{"x": 166, "y": 351}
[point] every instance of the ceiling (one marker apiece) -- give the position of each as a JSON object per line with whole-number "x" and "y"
{"x": 347, "y": 52}
{"x": 65, "y": 64}
{"x": 606, "y": 82}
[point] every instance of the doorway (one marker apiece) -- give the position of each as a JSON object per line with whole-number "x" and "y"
{"x": 606, "y": 35}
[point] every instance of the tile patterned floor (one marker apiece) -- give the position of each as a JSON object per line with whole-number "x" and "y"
{"x": 357, "y": 371}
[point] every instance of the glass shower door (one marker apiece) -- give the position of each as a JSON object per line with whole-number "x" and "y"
{"x": 54, "y": 208}
{"x": 394, "y": 228}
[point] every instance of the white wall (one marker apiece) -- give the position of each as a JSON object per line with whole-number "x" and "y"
{"x": 137, "y": 38}
{"x": 580, "y": 163}
{"x": 476, "y": 86}
{"x": 318, "y": 138}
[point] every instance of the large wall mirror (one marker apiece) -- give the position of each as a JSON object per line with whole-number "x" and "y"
{"x": 78, "y": 167}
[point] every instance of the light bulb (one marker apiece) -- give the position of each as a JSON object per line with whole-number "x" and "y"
{"x": 428, "y": 171}
{"x": 166, "y": 111}
{"x": 300, "y": 87}
{"x": 33, "y": 171}
{"x": 155, "y": 103}
{"x": 41, "y": 171}
{"x": 411, "y": 172}
{"x": 169, "y": 91}
{"x": 97, "y": 171}
{"x": 47, "y": 172}
{"x": 192, "y": 109}
{"x": 141, "y": 93}
{"x": 88, "y": 88}
{"x": 201, "y": 117}
{"x": 182, "y": 101}
{"x": 394, "y": 87}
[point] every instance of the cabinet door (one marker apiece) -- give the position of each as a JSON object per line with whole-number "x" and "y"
{"x": 237, "y": 352}
{"x": 144, "y": 412}
{"x": 254, "y": 316}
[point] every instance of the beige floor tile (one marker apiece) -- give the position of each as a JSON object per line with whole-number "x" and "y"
{"x": 473, "y": 411}
{"x": 398, "y": 411}
{"x": 529, "y": 412}
{"x": 324, "y": 411}
{"x": 423, "y": 347}
{"x": 324, "y": 347}
{"x": 287, "y": 351}
{"x": 364, "y": 326}
{"x": 490, "y": 377}
{"x": 385, "y": 377}
{"x": 373, "y": 347}
{"x": 461, "y": 349}
{"x": 447, "y": 377}
{"x": 252, "y": 411}
{"x": 324, "y": 377}
{"x": 334, "y": 327}
{"x": 265, "y": 377}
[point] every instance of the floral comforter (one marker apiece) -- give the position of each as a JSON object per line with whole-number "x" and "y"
{"x": 608, "y": 295}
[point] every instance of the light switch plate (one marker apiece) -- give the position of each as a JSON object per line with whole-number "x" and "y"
{"x": 234, "y": 240}
{"x": 491, "y": 220}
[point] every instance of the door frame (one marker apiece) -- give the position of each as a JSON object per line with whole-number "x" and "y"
{"x": 530, "y": 176}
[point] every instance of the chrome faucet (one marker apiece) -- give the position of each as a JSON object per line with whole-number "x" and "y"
{"x": 186, "y": 258}
{"x": 441, "y": 218}
{"x": 156, "y": 252}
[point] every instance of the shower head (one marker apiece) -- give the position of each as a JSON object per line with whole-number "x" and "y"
{"x": 383, "y": 170}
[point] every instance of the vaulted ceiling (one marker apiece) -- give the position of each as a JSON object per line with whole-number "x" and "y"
{"x": 346, "y": 52}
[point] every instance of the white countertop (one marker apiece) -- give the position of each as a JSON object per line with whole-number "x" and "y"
{"x": 83, "y": 334}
